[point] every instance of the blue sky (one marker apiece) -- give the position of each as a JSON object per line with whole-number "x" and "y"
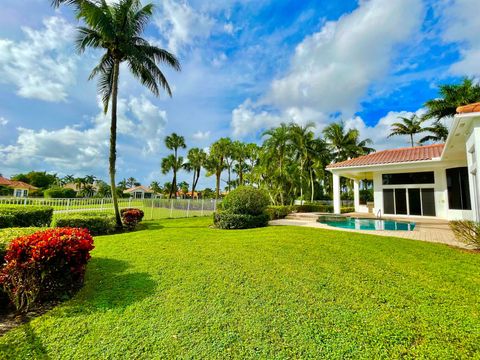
{"x": 247, "y": 65}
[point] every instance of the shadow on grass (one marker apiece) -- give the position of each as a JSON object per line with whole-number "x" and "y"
{"x": 109, "y": 285}
{"x": 36, "y": 348}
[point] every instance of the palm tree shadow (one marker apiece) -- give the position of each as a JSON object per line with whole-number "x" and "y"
{"x": 109, "y": 285}
{"x": 37, "y": 350}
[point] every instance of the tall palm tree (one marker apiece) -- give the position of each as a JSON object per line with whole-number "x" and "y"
{"x": 345, "y": 143}
{"x": 175, "y": 142}
{"x": 131, "y": 181}
{"x": 451, "y": 97}
{"x": 171, "y": 163}
{"x": 196, "y": 159}
{"x": 155, "y": 186}
{"x": 302, "y": 139}
{"x": 438, "y": 133}
{"x": 117, "y": 29}
{"x": 215, "y": 162}
{"x": 409, "y": 126}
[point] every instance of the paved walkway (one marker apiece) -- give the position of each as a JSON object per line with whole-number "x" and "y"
{"x": 430, "y": 230}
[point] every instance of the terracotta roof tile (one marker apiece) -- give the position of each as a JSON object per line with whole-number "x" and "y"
{"x": 16, "y": 184}
{"x": 419, "y": 153}
{"x": 469, "y": 108}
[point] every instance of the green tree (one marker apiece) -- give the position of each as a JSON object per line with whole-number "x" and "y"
{"x": 240, "y": 155}
{"x": 117, "y": 29}
{"x": 174, "y": 164}
{"x": 195, "y": 161}
{"x": 451, "y": 97}
{"x": 174, "y": 142}
{"x": 409, "y": 126}
{"x": 215, "y": 163}
{"x": 345, "y": 143}
{"x": 438, "y": 133}
{"x": 302, "y": 139}
{"x": 155, "y": 186}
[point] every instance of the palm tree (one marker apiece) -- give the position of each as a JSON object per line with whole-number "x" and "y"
{"x": 117, "y": 29}
{"x": 155, "y": 186}
{"x": 409, "y": 126}
{"x": 215, "y": 162}
{"x": 240, "y": 154}
{"x": 171, "y": 163}
{"x": 131, "y": 181}
{"x": 302, "y": 139}
{"x": 438, "y": 133}
{"x": 345, "y": 143}
{"x": 174, "y": 142}
{"x": 68, "y": 179}
{"x": 123, "y": 185}
{"x": 196, "y": 159}
{"x": 451, "y": 97}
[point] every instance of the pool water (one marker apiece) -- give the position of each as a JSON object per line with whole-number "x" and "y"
{"x": 370, "y": 224}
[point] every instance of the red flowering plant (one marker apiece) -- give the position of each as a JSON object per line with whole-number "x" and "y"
{"x": 47, "y": 265}
{"x": 131, "y": 217}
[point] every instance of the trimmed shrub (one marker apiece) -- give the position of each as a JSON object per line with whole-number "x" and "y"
{"x": 314, "y": 208}
{"x": 96, "y": 223}
{"x": 243, "y": 208}
{"x": 6, "y": 221}
{"x": 59, "y": 193}
{"x": 26, "y": 216}
{"x": 466, "y": 231}
{"x": 131, "y": 217}
{"x": 246, "y": 200}
{"x": 279, "y": 212}
{"x": 347, "y": 209}
{"x": 224, "y": 220}
{"x": 47, "y": 265}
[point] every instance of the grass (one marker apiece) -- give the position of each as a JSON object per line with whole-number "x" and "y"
{"x": 183, "y": 290}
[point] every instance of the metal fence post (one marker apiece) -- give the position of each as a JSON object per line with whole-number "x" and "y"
{"x": 188, "y": 207}
{"x": 203, "y": 201}
{"x": 171, "y": 208}
{"x": 151, "y": 213}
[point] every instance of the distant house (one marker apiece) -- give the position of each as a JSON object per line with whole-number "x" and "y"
{"x": 19, "y": 188}
{"x": 140, "y": 192}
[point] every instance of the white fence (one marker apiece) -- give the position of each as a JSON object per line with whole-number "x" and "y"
{"x": 153, "y": 208}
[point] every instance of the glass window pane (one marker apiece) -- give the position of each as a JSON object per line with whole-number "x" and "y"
{"x": 388, "y": 202}
{"x": 401, "y": 201}
{"x": 414, "y": 203}
{"x": 426, "y": 177}
{"x": 428, "y": 202}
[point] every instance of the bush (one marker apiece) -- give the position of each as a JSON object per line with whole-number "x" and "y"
{"x": 347, "y": 209}
{"x": 279, "y": 212}
{"x": 314, "y": 208}
{"x": 466, "y": 231}
{"x": 246, "y": 200}
{"x": 25, "y": 216}
{"x": 224, "y": 220}
{"x": 47, "y": 265}
{"x": 6, "y": 237}
{"x": 96, "y": 223}
{"x": 59, "y": 193}
{"x": 131, "y": 217}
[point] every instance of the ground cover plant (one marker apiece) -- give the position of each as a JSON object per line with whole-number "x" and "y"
{"x": 25, "y": 216}
{"x": 181, "y": 289}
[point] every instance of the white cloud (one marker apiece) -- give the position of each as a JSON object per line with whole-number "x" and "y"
{"x": 333, "y": 69}
{"x": 39, "y": 65}
{"x": 74, "y": 148}
{"x": 201, "y": 135}
{"x": 179, "y": 24}
{"x": 228, "y": 27}
{"x": 3, "y": 121}
{"x": 462, "y": 26}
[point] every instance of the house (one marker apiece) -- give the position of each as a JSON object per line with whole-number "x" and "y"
{"x": 437, "y": 181}
{"x": 19, "y": 188}
{"x": 140, "y": 192}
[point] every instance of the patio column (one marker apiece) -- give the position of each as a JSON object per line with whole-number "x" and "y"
{"x": 356, "y": 195}
{"x": 336, "y": 194}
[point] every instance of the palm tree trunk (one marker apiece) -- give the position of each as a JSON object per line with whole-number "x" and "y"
{"x": 113, "y": 143}
{"x": 411, "y": 139}
{"x": 196, "y": 180}
{"x": 218, "y": 185}
{"x": 229, "y": 178}
{"x": 312, "y": 185}
{"x": 193, "y": 183}
{"x": 174, "y": 184}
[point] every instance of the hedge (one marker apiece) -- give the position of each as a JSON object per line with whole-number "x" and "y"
{"x": 314, "y": 208}
{"x": 59, "y": 193}
{"x": 347, "y": 209}
{"x": 46, "y": 265}
{"x": 6, "y": 237}
{"x": 279, "y": 212}
{"x": 96, "y": 223}
{"x": 25, "y": 216}
{"x": 224, "y": 220}
{"x": 245, "y": 200}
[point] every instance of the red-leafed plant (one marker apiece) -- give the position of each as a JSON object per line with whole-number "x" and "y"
{"x": 131, "y": 217}
{"x": 47, "y": 265}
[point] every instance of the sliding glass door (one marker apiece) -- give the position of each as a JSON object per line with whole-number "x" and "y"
{"x": 403, "y": 201}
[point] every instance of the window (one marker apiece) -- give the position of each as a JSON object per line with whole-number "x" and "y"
{"x": 458, "y": 189}
{"x": 409, "y": 178}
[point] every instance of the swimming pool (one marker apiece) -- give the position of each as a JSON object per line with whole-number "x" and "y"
{"x": 369, "y": 224}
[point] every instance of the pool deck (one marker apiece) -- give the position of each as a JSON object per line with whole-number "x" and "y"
{"x": 426, "y": 229}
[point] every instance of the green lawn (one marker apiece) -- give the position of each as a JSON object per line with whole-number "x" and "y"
{"x": 183, "y": 290}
